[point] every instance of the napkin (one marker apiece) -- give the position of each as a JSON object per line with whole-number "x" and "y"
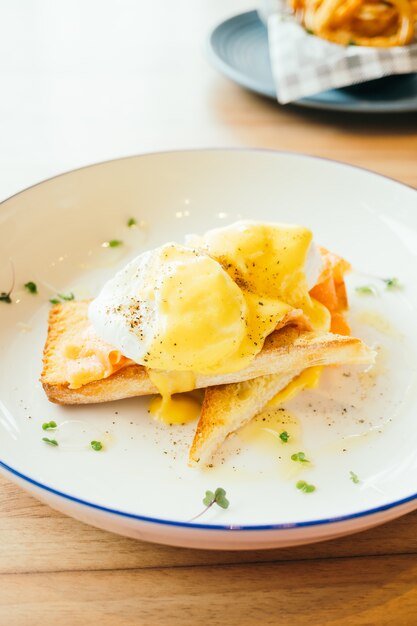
{"x": 303, "y": 64}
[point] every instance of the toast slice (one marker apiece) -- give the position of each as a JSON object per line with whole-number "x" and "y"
{"x": 226, "y": 408}
{"x": 287, "y": 349}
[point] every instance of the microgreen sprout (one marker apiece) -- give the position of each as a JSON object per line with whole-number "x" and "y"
{"x": 96, "y": 445}
{"x": 284, "y": 436}
{"x": 217, "y": 497}
{"x": 392, "y": 283}
{"x": 366, "y": 290}
{"x": 131, "y": 222}
{"x": 5, "y": 295}
{"x": 31, "y": 287}
{"x": 50, "y": 442}
{"x": 49, "y": 425}
{"x": 299, "y": 457}
{"x": 113, "y": 243}
{"x": 305, "y": 487}
{"x": 354, "y": 478}
{"x": 67, "y": 297}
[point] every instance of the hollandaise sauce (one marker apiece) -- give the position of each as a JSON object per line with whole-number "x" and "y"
{"x": 272, "y": 429}
{"x": 208, "y": 307}
{"x": 178, "y": 403}
{"x": 272, "y": 264}
{"x": 275, "y": 425}
{"x": 308, "y": 379}
{"x": 180, "y": 408}
{"x": 276, "y": 431}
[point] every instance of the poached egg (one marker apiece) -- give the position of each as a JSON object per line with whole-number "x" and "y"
{"x": 208, "y": 306}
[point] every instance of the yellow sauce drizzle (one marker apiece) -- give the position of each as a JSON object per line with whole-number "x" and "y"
{"x": 264, "y": 430}
{"x": 377, "y": 321}
{"x": 308, "y": 379}
{"x": 178, "y": 409}
{"x": 174, "y": 405}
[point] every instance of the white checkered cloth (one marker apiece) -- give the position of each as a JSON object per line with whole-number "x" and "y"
{"x": 303, "y": 65}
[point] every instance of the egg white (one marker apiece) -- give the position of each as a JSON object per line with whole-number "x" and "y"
{"x": 134, "y": 334}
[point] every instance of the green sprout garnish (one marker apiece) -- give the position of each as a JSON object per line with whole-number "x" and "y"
{"x": 49, "y": 425}
{"x": 284, "y": 436}
{"x": 131, "y": 222}
{"x": 299, "y": 457}
{"x": 392, "y": 283}
{"x": 217, "y": 497}
{"x": 366, "y": 290}
{"x": 305, "y": 487}
{"x": 31, "y": 287}
{"x": 50, "y": 442}
{"x": 96, "y": 445}
{"x": 66, "y": 296}
{"x": 113, "y": 243}
{"x": 62, "y": 297}
{"x": 354, "y": 478}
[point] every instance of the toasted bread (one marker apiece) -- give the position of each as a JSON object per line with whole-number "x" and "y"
{"x": 285, "y": 350}
{"x": 226, "y": 408}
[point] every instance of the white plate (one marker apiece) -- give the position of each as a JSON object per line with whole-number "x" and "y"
{"x": 140, "y": 485}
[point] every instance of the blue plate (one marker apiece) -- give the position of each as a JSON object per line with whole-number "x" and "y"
{"x": 238, "y": 47}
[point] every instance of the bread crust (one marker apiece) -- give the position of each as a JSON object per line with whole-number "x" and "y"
{"x": 284, "y": 351}
{"x": 226, "y": 408}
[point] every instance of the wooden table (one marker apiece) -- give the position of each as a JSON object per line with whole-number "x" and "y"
{"x": 97, "y": 80}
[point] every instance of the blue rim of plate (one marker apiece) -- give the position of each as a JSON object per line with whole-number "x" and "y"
{"x": 238, "y": 48}
{"x": 191, "y": 525}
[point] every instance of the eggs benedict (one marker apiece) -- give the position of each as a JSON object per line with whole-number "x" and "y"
{"x": 240, "y": 302}
{"x": 207, "y": 307}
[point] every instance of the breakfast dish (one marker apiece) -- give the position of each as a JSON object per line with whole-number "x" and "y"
{"x": 253, "y": 303}
{"x": 337, "y": 457}
{"x": 375, "y": 23}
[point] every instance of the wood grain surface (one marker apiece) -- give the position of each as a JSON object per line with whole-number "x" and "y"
{"x": 55, "y": 569}
{"x": 155, "y": 90}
